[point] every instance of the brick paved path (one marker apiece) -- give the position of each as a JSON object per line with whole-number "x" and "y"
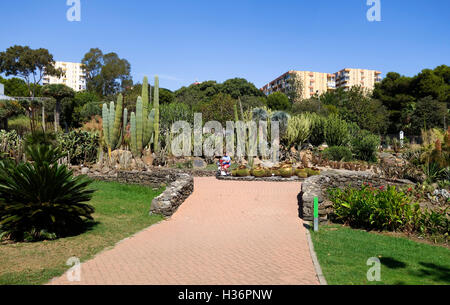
{"x": 225, "y": 233}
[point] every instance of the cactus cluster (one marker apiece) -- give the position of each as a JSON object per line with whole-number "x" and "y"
{"x": 144, "y": 124}
{"x": 112, "y": 120}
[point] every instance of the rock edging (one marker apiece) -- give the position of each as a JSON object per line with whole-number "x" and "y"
{"x": 175, "y": 194}
{"x": 317, "y": 186}
{"x": 267, "y": 179}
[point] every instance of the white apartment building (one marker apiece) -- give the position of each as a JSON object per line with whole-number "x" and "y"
{"x": 74, "y": 78}
{"x": 317, "y": 82}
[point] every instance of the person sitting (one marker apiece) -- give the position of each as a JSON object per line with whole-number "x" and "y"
{"x": 225, "y": 162}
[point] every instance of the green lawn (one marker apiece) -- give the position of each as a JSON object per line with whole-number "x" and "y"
{"x": 121, "y": 211}
{"x": 343, "y": 253}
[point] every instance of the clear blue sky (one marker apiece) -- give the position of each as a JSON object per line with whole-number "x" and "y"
{"x": 256, "y": 39}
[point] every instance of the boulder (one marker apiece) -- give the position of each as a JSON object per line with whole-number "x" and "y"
{"x": 199, "y": 163}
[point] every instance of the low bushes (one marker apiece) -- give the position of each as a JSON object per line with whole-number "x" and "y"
{"x": 385, "y": 209}
{"x": 317, "y": 137}
{"x": 338, "y": 153}
{"x": 10, "y": 145}
{"x": 336, "y": 131}
{"x": 364, "y": 145}
{"x": 81, "y": 146}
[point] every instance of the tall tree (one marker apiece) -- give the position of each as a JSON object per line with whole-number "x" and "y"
{"x": 429, "y": 113}
{"x": 92, "y": 63}
{"x": 28, "y": 64}
{"x": 106, "y": 74}
{"x": 58, "y": 92}
{"x": 294, "y": 88}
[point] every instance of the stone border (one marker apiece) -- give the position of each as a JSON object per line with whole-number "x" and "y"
{"x": 179, "y": 185}
{"x": 315, "y": 260}
{"x": 267, "y": 179}
{"x": 317, "y": 186}
{"x": 175, "y": 194}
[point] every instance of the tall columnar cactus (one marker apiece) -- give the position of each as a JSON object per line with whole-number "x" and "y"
{"x": 105, "y": 118}
{"x": 133, "y": 141}
{"x": 111, "y": 124}
{"x": 139, "y": 124}
{"x": 156, "y": 106}
{"x": 116, "y": 136}
{"x": 145, "y": 111}
{"x": 236, "y": 116}
{"x": 125, "y": 123}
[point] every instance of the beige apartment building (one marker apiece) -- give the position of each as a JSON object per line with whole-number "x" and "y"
{"x": 317, "y": 82}
{"x": 74, "y": 78}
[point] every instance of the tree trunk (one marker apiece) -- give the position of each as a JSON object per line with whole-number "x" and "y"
{"x": 57, "y": 114}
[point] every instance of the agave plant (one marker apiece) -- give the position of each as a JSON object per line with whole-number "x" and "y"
{"x": 41, "y": 198}
{"x": 259, "y": 114}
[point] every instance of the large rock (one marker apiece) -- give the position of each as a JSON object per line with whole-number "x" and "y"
{"x": 121, "y": 159}
{"x": 148, "y": 158}
{"x": 199, "y": 163}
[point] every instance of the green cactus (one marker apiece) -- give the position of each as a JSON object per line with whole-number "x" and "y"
{"x": 105, "y": 117}
{"x": 125, "y": 123}
{"x": 111, "y": 124}
{"x": 156, "y": 107}
{"x": 147, "y": 134}
{"x": 133, "y": 141}
{"x": 116, "y": 135}
{"x": 139, "y": 124}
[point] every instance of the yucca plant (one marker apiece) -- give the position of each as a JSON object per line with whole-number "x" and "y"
{"x": 41, "y": 199}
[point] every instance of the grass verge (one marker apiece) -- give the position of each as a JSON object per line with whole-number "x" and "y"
{"x": 343, "y": 253}
{"x": 120, "y": 211}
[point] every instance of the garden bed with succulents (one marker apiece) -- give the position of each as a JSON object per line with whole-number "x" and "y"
{"x": 284, "y": 172}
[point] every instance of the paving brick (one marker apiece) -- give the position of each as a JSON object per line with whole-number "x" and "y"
{"x": 226, "y": 233}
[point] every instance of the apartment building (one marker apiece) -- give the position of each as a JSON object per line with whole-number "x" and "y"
{"x": 347, "y": 78}
{"x": 318, "y": 82}
{"x": 74, "y": 78}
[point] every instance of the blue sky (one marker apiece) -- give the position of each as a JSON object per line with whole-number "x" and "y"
{"x": 184, "y": 41}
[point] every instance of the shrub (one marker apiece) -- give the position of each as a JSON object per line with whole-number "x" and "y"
{"x": 298, "y": 130}
{"x": 42, "y": 199}
{"x": 365, "y": 145}
{"x": 278, "y": 101}
{"x": 40, "y": 137}
{"x": 338, "y": 153}
{"x": 20, "y": 124}
{"x": 10, "y": 145}
{"x": 386, "y": 209}
{"x": 377, "y": 209}
{"x": 317, "y": 137}
{"x": 81, "y": 146}
{"x": 336, "y": 131}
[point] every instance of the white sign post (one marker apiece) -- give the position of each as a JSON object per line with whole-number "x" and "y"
{"x": 402, "y": 137}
